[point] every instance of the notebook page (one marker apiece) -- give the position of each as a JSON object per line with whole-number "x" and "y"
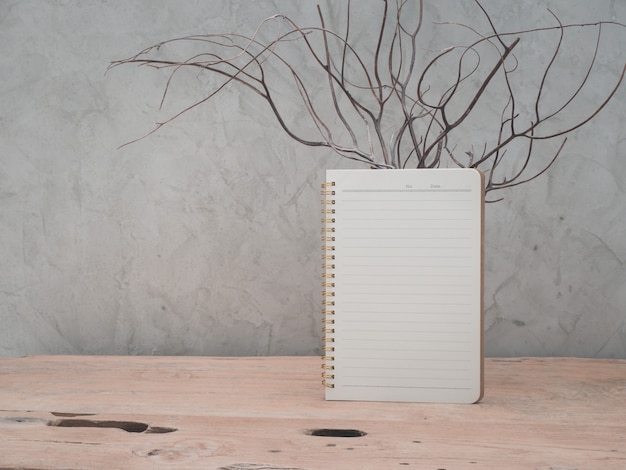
{"x": 407, "y": 285}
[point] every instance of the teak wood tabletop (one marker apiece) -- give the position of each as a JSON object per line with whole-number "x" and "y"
{"x": 115, "y": 412}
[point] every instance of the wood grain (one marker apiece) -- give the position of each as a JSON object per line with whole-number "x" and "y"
{"x": 85, "y": 412}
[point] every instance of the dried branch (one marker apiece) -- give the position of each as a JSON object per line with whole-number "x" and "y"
{"x": 365, "y": 99}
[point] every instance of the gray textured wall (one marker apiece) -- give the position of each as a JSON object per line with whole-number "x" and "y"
{"x": 204, "y": 238}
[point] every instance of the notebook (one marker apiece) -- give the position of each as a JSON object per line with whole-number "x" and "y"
{"x": 403, "y": 285}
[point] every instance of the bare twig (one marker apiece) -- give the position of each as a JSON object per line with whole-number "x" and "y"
{"x": 377, "y": 108}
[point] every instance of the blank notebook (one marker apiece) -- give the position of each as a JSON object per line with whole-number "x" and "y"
{"x": 403, "y": 303}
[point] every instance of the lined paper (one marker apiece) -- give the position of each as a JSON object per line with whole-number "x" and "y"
{"x": 408, "y": 285}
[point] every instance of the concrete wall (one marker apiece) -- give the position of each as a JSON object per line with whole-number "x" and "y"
{"x": 204, "y": 238}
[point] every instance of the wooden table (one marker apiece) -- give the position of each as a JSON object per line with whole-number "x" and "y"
{"x": 85, "y": 412}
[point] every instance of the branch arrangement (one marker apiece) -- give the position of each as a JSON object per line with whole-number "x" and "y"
{"x": 378, "y": 100}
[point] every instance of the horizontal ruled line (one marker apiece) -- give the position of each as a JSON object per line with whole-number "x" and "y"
{"x": 412, "y": 340}
{"x": 411, "y": 368}
{"x": 408, "y": 256}
{"x": 406, "y": 387}
{"x": 408, "y": 276}
{"x": 355, "y": 264}
{"x": 378, "y": 219}
{"x": 403, "y": 350}
{"x": 451, "y": 332}
{"x": 346, "y": 237}
{"x": 415, "y": 247}
{"x": 410, "y": 293}
{"x": 403, "y": 284}
{"x": 411, "y": 228}
{"x": 415, "y": 304}
{"x": 407, "y": 303}
{"x": 408, "y": 190}
{"x": 412, "y": 323}
{"x": 398, "y": 209}
{"x": 356, "y": 212}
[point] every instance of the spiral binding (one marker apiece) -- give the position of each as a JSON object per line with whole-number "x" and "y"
{"x": 328, "y": 265}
